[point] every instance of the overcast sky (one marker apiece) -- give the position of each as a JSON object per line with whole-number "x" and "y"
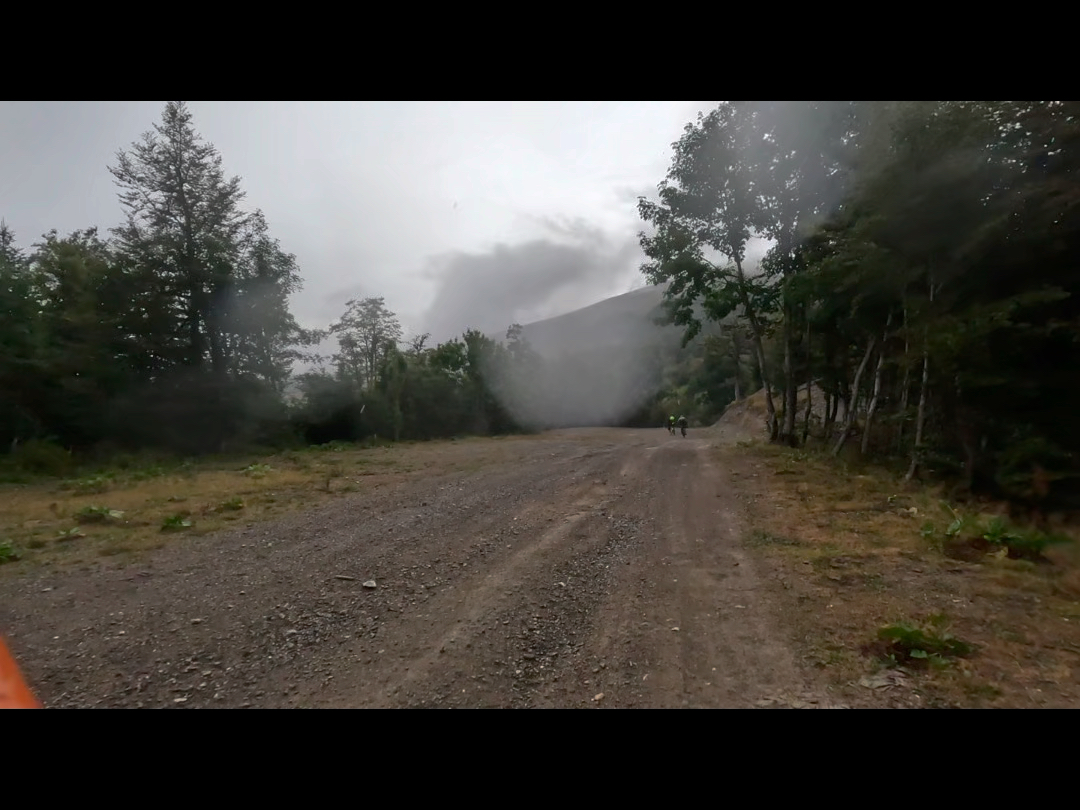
{"x": 461, "y": 214}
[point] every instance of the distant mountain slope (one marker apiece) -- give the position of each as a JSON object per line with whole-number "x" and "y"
{"x": 621, "y": 321}
{"x": 602, "y": 362}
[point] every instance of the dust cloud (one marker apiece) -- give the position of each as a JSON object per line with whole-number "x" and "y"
{"x": 593, "y": 366}
{"x": 601, "y": 365}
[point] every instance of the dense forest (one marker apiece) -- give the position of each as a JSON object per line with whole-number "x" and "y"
{"x": 921, "y": 280}
{"x": 917, "y": 304}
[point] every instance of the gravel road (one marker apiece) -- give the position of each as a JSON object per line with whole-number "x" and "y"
{"x": 596, "y": 568}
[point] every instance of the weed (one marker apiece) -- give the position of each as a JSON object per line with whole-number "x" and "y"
{"x": 92, "y": 484}
{"x": 966, "y": 535}
{"x": 232, "y": 505}
{"x": 148, "y": 473}
{"x": 1022, "y": 545}
{"x": 928, "y": 642}
{"x": 98, "y": 514}
{"x": 175, "y": 523}
{"x": 74, "y": 533}
{"x": 257, "y": 470}
{"x": 8, "y": 553}
{"x": 334, "y": 447}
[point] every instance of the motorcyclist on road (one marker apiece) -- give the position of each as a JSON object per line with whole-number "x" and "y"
{"x": 682, "y": 425}
{"x": 671, "y": 425}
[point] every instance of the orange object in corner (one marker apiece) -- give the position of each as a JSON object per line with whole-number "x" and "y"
{"x": 14, "y": 693}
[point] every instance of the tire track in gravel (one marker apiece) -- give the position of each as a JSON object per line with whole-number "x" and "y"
{"x": 468, "y": 636}
{"x": 688, "y": 622}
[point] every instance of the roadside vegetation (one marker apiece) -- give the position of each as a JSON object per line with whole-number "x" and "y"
{"x": 134, "y": 506}
{"x": 898, "y": 595}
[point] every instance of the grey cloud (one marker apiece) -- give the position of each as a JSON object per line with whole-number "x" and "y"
{"x": 530, "y": 281}
{"x": 364, "y": 193}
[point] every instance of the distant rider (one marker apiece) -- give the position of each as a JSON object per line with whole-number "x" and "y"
{"x": 682, "y": 425}
{"x": 671, "y": 425}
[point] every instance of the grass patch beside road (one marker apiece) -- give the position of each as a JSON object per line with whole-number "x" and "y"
{"x": 903, "y": 599}
{"x": 121, "y": 510}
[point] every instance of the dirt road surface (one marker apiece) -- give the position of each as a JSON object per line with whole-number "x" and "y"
{"x": 588, "y": 568}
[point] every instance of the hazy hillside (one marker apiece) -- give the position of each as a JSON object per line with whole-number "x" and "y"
{"x": 622, "y": 321}
{"x": 604, "y": 363}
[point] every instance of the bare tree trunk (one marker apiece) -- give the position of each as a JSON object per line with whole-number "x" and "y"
{"x": 791, "y": 390}
{"x": 832, "y": 389}
{"x": 846, "y": 393}
{"x": 905, "y": 386}
{"x": 920, "y": 418}
{"x": 809, "y": 387}
{"x": 770, "y": 408}
{"x": 967, "y": 433}
{"x": 849, "y": 412}
{"x": 735, "y": 352}
{"x": 759, "y": 349}
{"x": 877, "y": 388}
{"x": 873, "y": 403}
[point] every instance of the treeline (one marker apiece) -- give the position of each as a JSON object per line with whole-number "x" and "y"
{"x": 922, "y": 280}
{"x": 476, "y": 385}
{"x": 174, "y": 333}
{"x": 378, "y": 386}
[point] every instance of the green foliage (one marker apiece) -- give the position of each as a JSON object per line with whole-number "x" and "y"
{"x": 943, "y": 235}
{"x": 1021, "y": 544}
{"x": 176, "y": 523}
{"x": 93, "y": 484}
{"x": 367, "y": 332}
{"x": 175, "y": 333}
{"x": 926, "y": 643}
{"x": 8, "y": 552}
{"x": 995, "y": 534}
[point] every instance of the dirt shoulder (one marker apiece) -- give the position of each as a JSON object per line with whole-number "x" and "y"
{"x": 851, "y": 553}
{"x": 590, "y": 568}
